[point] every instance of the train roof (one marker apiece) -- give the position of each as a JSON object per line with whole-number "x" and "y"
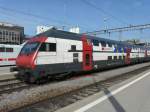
{"x": 73, "y": 36}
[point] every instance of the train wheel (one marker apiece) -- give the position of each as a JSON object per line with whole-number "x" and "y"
{"x": 31, "y": 79}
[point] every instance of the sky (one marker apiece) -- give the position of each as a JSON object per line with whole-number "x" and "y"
{"x": 89, "y": 15}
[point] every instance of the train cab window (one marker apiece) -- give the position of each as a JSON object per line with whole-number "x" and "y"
{"x": 73, "y": 47}
{"x": 9, "y": 49}
{"x": 48, "y": 47}
{"x": 95, "y": 42}
{"x": 103, "y": 43}
{"x": 87, "y": 59}
{"x": 29, "y": 48}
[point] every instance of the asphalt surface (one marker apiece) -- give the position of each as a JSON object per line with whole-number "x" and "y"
{"x": 132, "y": 95}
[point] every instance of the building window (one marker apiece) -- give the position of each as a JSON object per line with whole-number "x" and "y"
{"x": 0, "y": 32}
{"x": 3, "y": 32}
{"x": 95, "y": 42}
{"x": 6, "y": 32}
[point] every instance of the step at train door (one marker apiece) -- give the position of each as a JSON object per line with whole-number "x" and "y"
{"x": 87, "y": 53}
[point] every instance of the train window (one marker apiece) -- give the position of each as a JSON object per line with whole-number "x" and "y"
{"x": 43, "y": 47}
{"x": 103, "y": 43}
{"x": 120, "y": 57}
{"x": 52, "y": 47}
{"x": 2, "y": 49}
{"x": 48, "y": 47}
{"x": 115, "y": 57}
{"x": 123, "y": 57}
{"x": 95, "y": 42}
{"x": 120, "y": 50}
{"x": 109, "y": 57}
{"x": 9, "y": 49}
{"x": 87, "y": 59}
{"x": 29, "y": 47}
{"x": 73, "y": 47}
{"x": 109, "y": 44}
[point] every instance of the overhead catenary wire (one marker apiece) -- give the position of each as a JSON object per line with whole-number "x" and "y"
{"x": 121, "y": 29}
{"x": 104, "y": 12}
{"x": 63, "y": 23}
{"x": 12, "y": 17}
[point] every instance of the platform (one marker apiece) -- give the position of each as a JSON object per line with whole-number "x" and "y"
{"x": 6, "y": 74}
{"x": 132, "y": 95}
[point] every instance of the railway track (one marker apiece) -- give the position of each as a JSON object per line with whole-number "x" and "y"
{"x": 66, "y": 99}
{"x": 11, "y": 85}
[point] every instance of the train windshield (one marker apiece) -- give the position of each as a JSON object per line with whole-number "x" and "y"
{"x": 29, "y": 48}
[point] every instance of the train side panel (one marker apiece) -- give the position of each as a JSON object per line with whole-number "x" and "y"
{"x": 67, "y": 57}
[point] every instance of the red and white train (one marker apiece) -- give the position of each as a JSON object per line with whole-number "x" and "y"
{"x": 8, "y": 54}
{"x": 56, "y": 52}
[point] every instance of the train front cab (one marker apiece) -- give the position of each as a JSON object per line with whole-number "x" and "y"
{"x": 26, "y": 59}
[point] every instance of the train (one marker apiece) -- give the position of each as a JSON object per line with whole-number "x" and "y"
{"x": 8, "y": 54}
{"x": 56, "y": 52}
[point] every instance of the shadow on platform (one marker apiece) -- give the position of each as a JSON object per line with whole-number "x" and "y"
{"x": 117, "y": 106}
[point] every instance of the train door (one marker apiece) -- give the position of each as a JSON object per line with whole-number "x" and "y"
{"x": 128, "y": 59}
{"x": 146, "y": 53}
{"x": 87, "y": 54}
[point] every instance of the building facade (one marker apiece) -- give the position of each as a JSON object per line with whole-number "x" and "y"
{"x": 11, "y": 34}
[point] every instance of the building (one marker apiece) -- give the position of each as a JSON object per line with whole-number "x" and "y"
{"x": 11, "y": 34}
{"x": 75, "y": 30}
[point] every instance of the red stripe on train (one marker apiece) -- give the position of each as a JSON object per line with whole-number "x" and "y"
{"x": 11, "y": 59}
